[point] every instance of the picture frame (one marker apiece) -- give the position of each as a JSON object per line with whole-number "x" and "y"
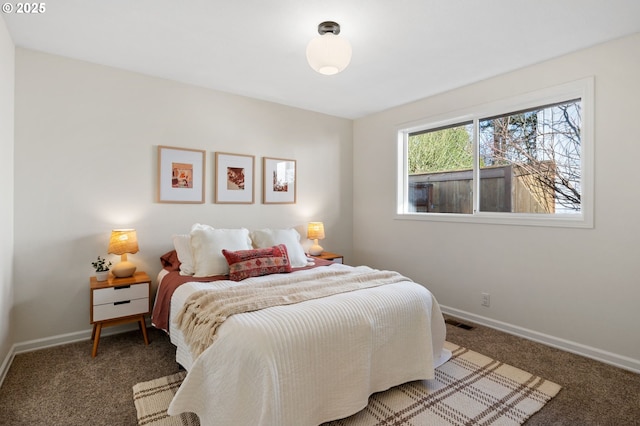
{"x": 279, "y": 181}
{"x": 234, "y": 178}
{"x": 181, "y": 175}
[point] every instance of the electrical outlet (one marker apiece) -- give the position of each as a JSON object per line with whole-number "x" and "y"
{"x": 486, "y": 299}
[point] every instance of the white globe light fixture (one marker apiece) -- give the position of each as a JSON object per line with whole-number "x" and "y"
{"x": 328, "y": 54}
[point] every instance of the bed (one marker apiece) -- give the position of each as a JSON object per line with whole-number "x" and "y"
{"x": 316, "y": 357}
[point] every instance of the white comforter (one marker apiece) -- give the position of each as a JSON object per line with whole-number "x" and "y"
{"x": 311, "y": 362}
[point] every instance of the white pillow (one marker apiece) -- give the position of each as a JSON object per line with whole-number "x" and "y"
{"x": 182, "y": 244}
{"x": 207, "y": 244}
{"x": 289, "y": 237}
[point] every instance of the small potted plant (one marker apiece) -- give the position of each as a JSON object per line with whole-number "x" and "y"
{"x": 102, "y": 268}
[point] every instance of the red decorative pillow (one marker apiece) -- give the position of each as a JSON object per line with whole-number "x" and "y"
{"x": 254, "y": 263}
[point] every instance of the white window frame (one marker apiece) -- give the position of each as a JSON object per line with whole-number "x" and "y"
{"x": 583, "y": 89}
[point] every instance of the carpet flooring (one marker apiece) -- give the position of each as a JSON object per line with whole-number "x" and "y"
{"x": 469, "y": 389}
{"x": 63, "y": 385}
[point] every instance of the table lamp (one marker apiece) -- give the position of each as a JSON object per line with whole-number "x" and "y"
{"x": 123, "y": 241}
{"x": 315, "y": 232}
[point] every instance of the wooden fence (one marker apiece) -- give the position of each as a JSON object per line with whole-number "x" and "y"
{"x": 502, "y": 189}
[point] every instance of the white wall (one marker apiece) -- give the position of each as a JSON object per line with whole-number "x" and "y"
{"x": 7, "y": 66}
{"x": 85, "y": 162}
{"x": 576, "y": 288}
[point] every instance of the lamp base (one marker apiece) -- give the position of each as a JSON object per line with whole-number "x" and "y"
{"x": 123, "y": 269}
{"x": 315, "y": 250}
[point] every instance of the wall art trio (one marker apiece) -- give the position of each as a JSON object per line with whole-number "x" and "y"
{"x": 181, "y": 177}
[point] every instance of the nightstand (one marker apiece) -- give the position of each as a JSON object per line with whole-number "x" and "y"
{"x": 119, "y": 301}
{"x": 334, "y": 257}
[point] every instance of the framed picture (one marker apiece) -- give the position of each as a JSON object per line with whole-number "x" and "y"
{"x": 234, "y": 178}
{"x": 180, "y": 175}
{"x": 279, "y": 181}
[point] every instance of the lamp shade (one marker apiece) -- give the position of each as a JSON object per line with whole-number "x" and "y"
{"x": 328, "y": 53}
{"x": 123, "y": 241}
{"x": 315, "y": 231}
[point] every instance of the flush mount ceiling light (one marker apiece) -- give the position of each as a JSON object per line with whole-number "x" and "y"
{"x": 328, "y": 54}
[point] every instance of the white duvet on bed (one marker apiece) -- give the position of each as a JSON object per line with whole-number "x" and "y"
{"x": 311, "y": 362}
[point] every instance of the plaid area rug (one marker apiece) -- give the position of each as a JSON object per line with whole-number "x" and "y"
{"x": 152, "y": 400}
{"x": 469, "y": 389}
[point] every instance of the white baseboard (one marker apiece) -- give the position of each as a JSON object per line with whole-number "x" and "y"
{"x": 61, "y": 339}
{"x": 556, "y": 342}
{"x": 4, "y": 368}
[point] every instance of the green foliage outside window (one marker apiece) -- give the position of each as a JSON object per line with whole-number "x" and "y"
{"x": 441, "y": 150}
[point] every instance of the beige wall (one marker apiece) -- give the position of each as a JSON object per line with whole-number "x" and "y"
{"x": 574, "y": 288}
{"x": 85, "y": 162}
{"x": 7, "y": 65}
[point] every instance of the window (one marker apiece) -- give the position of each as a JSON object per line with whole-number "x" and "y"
{"x": 520, "y": 161}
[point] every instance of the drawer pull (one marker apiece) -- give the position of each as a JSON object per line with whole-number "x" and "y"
{"x": 120, "y": 287}
{"x": 122, "y": 303}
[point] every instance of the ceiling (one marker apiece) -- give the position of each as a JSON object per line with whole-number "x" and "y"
{"x": 403, "y": 50}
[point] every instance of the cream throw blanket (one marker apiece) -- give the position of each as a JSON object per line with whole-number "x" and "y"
{"x": 204, "y": 311}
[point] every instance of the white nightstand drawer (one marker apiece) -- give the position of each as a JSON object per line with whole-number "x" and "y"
{"x": 120, "y": 293}
{"x": 120, "y": 309}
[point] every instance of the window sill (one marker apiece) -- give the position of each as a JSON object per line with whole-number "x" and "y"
{"x": 564, "y": 221}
